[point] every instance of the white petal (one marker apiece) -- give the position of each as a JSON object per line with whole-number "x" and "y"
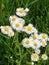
{"x": 26, "y": 9}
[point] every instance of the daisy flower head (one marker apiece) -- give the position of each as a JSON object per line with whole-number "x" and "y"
{"x": 21, "y": 11}
{"x": 26, "y": 42}
{"x": 43, "y": 36}
{"x": 17, "y": 26}
{"x": 30, "y": 29}
{"x": 44, "y": 57}
{"x": 34, "y": 37}
{"x": 37, "y": 51}
{"x": 5, "y": 29}
{"x": 13, "y": 19}
{"x": 36, "y": 44}
{"x": 43, "y": 43}
{"x": 11, "y": 33}
{"x": 21, "y": 20}
{"x": 34, "y": 57}
{"x": 24, "y": 28}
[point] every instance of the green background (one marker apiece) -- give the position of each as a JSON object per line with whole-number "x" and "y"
{"x": 38, "y": 16}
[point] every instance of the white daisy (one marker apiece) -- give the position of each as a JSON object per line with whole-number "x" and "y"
{"x": 21, "y": 12}
{"x": 30, "y": 29}
{"x": 37, "y": 51}
{"x": 13, "y": 18}
{"x": 26, "y": 42}
{"x": 21, "y": 20}
{"x": 24, "y": 28}
{"x": 5, "y": 29}
{"x": 34, "y": 57}
{"x": 10, "y": 33}
{"x": 36, "y": 44}
{"x": 43, "y": 36}
{"x": 44, "y": 57}
{"x": 34, "y": 37}
{"x": 17, "y": 26}
{"x": 43, "y": 43}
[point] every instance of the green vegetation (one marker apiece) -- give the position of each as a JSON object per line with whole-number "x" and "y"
{"x": 11, "y": 47}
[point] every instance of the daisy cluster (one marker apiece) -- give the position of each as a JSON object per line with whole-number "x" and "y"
{"x": 16, "y": 22}
{"x": 35, "y": 41}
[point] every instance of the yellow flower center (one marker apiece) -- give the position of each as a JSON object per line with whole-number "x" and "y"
{"x": 17, "y": 24}
{"x": 29, "y": 28}
{"x": 35, "y": 44}
{"x": 6, "y": 28}
{"x": 43, "y": 43}
{"x": 24, "y": 27}
{"x": 43, "y": 36}
{"x": 11, "y": 33}
{"x": 27, "y": 42}
{"x": 45, "y": 56}
{"x": 34, "y": 37}
{"x": 35, "y": 55}
{"x": 21, "y": 10}
{"x": 13, "y": 19}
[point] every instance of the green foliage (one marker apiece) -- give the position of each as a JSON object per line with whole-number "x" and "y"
{"x": 11, "y": 47}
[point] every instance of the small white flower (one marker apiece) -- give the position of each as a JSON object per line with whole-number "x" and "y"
{"x": 43, "y": 36}
{"x": 26, "y": 10}
{"x": 36, "y": 44}
{"x": 30, "y": 29}
{"x": 10, "y": 33}
{"x": 21, "y": 12}
{"x": 32, "y": 63}
{"x": 24, "y": 28}
{"x": 44, "y": 57}
{"x": 26, "y": 42}
{"x": 34, "y": 57}
{"x": 13, "y": 18}
{"x": 34, "y": 37}
{"x": 17, "y": 26}
{"x": 21, "y": 20}
{"x": 5, "y": 29}
{"x": 43, "y": 43}
{"x": 37, "y": 51}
